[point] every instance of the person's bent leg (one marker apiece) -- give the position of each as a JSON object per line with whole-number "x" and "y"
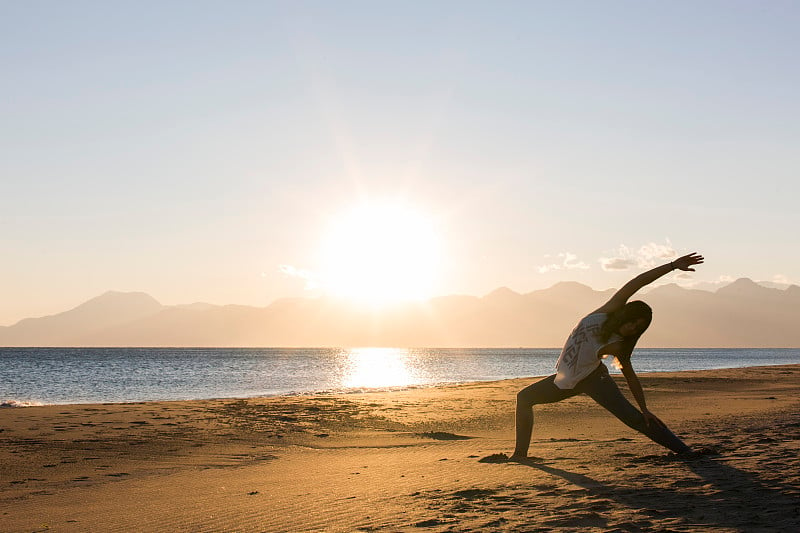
{"x": 603, "y": 390}
{"x": 543, "y": 391}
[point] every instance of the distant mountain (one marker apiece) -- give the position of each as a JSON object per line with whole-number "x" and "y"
{"x": 197, "y": 306}
{"x": 774, "y": 285}
{"x": 741, "y": 314}
{"x": 67, "y": 328}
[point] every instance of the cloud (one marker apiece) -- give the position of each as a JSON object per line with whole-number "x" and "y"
{"x": 647, "y": 256}
{"x": 544, "y": 269}
{"x": 616, "y": 263}
{"x": 652, "y": 253}
{"x": 569, "y": 261}
{"x": 780, "y": 278}
{"x": 311, "y": 279}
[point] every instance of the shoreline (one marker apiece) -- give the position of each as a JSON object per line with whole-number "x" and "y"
{"x": 408, "y": 459}
{"x": 13, "y": 403}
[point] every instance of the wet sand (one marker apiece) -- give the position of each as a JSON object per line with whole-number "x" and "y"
{"x": 410, "y": 460}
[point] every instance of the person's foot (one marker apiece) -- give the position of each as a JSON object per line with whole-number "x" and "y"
{"x": 696, "y": 453}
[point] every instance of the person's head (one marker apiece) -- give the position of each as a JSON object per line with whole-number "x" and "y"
{"x": 630, "y": 321}
{"x": 634, "y": 319}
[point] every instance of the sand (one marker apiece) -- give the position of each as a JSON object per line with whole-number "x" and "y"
{"x": 409, "y": 460}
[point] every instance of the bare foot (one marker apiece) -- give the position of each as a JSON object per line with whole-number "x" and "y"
{"x": 698, "y": 453}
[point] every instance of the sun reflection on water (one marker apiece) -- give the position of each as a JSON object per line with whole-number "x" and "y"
{"x": 378, "y": 367}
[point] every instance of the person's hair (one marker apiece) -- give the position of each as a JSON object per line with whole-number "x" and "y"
{"x": 630, "y": 312}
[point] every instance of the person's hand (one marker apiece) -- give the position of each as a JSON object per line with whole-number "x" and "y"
{"x": 687, "y": 262}
{"x": 650, "y": 419}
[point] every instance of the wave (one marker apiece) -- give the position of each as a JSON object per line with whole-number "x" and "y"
{"x": 19, "y": 403}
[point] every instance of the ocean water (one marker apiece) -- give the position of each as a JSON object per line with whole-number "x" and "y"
{"x": 32, "y": 376}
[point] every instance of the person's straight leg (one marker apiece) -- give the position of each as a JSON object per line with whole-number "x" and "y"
{"x": 543, "y": 391}
{"x": 601, "y": 387}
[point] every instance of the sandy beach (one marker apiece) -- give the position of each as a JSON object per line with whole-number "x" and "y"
{"x": 409, "y": 460}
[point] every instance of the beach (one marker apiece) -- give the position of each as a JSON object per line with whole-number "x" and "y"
{"x": 410, "y": 460}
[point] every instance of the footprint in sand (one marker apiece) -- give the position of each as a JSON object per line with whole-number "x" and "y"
{"x": 495, "y": 458}
{"x": 443, "y": 435}
{"x": 500, "y": 458}
{"x": 429, "y": 523}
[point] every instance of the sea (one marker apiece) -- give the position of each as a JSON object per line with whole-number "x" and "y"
{"x": 41, "y": 376}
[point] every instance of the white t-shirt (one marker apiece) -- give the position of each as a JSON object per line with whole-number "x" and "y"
{"x": 581, "y": 353}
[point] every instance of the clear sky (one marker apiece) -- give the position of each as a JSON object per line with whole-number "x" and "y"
{"x": 202, "y": 151}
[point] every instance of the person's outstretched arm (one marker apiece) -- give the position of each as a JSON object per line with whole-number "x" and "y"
{"x": 636, "y": 389}
{"x": 622, "y": 296}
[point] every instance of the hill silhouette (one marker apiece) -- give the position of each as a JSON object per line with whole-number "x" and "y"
{"x": 741, "y": 314}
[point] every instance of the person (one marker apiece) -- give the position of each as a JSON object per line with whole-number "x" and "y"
{"x": 613, "y": 329}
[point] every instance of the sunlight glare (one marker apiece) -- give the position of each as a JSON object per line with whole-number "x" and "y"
{"x": 378, "y": 367}
{"x": 380, "y": 254}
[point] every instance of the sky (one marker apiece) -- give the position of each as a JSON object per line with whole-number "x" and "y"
{"x": 208, "y": 151}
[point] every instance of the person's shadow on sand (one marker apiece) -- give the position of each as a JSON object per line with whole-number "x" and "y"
{"x": 723, "y": 496}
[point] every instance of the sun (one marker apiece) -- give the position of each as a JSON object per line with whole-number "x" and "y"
{"x": 381, "y": 253}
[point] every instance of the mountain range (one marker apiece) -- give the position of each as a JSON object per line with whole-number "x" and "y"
{"x": 742, "y": 314}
